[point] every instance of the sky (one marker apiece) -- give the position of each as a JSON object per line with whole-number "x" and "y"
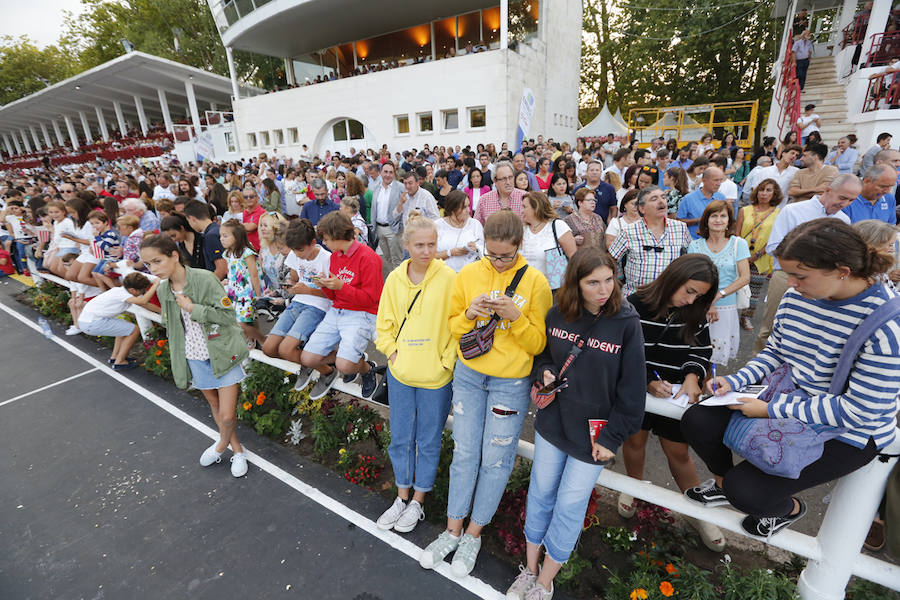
{"x": 41, "y": 20}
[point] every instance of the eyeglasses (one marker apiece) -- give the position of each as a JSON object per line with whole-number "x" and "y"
{"x": 502, "y": 259}
{"x": 653, "y": 248}
{"x": 251, "y": 197}
{"x": 507, "y": 178}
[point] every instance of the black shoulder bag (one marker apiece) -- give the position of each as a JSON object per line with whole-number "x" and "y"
{"x": 480, "y": 340}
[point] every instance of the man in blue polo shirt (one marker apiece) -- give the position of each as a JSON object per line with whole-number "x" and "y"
{"x": 692, "y": 205}
{"x": 604, "y": 193}
{"x": 875, "y": 200}
{"x": 321, "y": 206}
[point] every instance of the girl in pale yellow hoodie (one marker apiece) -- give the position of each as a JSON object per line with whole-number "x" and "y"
{"x": 414, "y": 335}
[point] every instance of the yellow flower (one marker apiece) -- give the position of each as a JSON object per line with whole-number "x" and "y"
{"x": 247, "y": 406}
{"x": 342, "y": 451}
{"x": 638, "y": 594}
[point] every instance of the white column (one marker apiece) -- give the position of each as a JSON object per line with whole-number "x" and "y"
{"x": 101, "y": 121}
{"x": 59, "y": 136}
{"x": 142, "y": 117}
{"x": 433, "y": 56}
{"x": 504, "y": 24}
{"x": 15, "y": 141}
{"x": 120, "y": 118}
{"x": 73, "y": 137}
{"x": 37, "y": 141}
{"x": 213, "y": 106}
{"x": 192, "y": 106}
{"x": 878, "y": 19}
{"x": 47, "y": 137}
{"x": 164, "y": 107}
{"x": 25, "y": 141}
{"x": 9, "y": 148}
{"x": 88, "y": 136}
{"x": 289, "y": 71}
{"x": 235, "y": 89}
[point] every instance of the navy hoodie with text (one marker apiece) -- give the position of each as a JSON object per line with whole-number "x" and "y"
{"x": 606, "y": 381}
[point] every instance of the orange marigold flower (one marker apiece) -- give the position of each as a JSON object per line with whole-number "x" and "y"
{"x": 159, "y": 362}
{"x": 161, "y": 343}
{"x": 247, "y": 406}
{"x": 261, "y": 397}
{"x": 259, "y": 401}
{"x": 638, "y": 594}
{"x": 666, "y": 589}
{"x": 670, "y": 568}
{"x": 159, "y": 353}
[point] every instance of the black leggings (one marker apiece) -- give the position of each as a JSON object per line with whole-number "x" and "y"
{"x": 749, "y": 489}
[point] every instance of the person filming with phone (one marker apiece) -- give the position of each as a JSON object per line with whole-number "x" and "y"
{"x": 589, "y": 403}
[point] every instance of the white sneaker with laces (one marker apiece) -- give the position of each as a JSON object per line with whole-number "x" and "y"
{"x": 410, "y": 517}
{"x": 390, "y": 516}
{"x": 537, "y": 592}
{"x": 72, "y": 330}
{"x": 523, "y": 583}
{"x": 465, "y": 556}
{"x": 238, "y": 465}
{"x": 438, "y": 550}
{"x": 210, "y": 456}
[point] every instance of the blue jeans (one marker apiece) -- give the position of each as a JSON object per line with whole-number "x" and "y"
{"x": 558, "y": 496}
{"x": 417, "y": 422}
{"x": 488, "y": 413}
{"x": 298, "y": 321}
{"x": 21, "y": 252}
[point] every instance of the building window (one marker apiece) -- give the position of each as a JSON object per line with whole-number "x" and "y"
{"x": 264, "y": 138}
{"x": 279, "y": 137}
{"x": 229, "y": 141}
{"x": 477, "y": 117}
{"x": 450, "y": 119}
{"x": 401, "y": 124}
{"x": 339, "y": 131}
{"x": 356, "y": 129}
{"x": 348, "y": 129}
{"x": 426, "y": 122}
{"x": 251, "y": 140}
{"x": 293, "y": 136}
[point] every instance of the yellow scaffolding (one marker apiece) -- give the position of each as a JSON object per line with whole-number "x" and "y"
{"x": 689, "y": 123}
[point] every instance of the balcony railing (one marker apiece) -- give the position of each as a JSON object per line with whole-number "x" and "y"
{"x": 788, "y": 96}
{"x": 883, "y": 92}
{"x": 885, "y": 49}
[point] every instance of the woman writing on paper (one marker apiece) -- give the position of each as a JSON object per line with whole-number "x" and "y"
{"x": 677, "y": 348}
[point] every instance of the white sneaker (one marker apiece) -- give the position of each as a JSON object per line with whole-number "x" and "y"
{"x": 389, "y": 517}
{"x": 72, "y": 330}
{"x": 523, "y": 583}
{"x": 465, "y": 556}
{"x": 210, "y": 456}
{"x": 537, "y": 592}
{"x": 438, "y": 550}
{"x": 410, "y": 517}
{"x": 238, "y": 465}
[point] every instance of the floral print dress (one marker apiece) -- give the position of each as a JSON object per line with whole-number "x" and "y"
{"x": 240, "y": 288}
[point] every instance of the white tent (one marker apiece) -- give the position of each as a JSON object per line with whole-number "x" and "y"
{"x": 603, "y": 124}
{"x": 667, "y": 126}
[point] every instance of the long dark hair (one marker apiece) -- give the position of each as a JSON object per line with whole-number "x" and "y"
{"x": 81, "y": 208}
{"x": 239, "y": 232}
{"x": 582, "y": 264}
{"x": 163, "y": 244}
{"x": 657, "y": 294}
{"x": 111, "y": 208}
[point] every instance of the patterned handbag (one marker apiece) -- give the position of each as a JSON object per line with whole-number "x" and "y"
{"x": 784, "y": 447}
{"x": 480, "y": 340}
{"x": 557, "y": 261}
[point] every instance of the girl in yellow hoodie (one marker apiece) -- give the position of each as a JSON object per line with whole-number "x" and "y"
{"x": 413, "y": 334}
{"x": 491, "y": 391}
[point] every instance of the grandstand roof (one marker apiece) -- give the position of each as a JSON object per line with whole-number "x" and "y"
{"x": 123, "y": 78}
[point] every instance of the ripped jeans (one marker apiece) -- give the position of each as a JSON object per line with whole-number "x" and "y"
{"x": 488, "y": 413}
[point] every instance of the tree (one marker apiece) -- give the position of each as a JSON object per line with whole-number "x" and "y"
{"x": 25, "y": 69}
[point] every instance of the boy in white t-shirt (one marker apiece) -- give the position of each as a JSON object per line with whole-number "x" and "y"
{"x": 99, "y": 316}
{"x": 306, "y": 260}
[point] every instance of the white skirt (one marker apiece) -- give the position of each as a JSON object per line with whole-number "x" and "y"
{"x": 725, "y": 335}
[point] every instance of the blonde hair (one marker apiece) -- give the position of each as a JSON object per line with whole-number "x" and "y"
{"x": 277, "y": 222}
{"x": 416, "y": 223}
{"x": 613, "y": 180}
{"x": 350, "y": 202}
{"x": 240, "y": 199}
{"x": 876, "y": 233}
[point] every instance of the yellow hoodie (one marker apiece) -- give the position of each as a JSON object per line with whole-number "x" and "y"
{"x": 516, "y": 343}
{"x": 426, "y": 352}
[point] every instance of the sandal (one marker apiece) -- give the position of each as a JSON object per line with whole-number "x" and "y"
{"x": 712, "y": 536}
{"x": 626, "y": 506}
{"x": 875, "y": 539}
{"x": 747, "y": 323}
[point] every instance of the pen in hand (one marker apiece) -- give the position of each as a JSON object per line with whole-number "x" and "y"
{"x": 714, "y": 379}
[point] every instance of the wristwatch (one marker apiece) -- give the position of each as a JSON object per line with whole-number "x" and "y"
{"x": 722, "y": 293}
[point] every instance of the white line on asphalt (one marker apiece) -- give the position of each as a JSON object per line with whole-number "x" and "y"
{"x": 472, "y": 584}
{"x": 46, "y": 387}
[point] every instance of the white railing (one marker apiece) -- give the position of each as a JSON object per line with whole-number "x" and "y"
{"x": 834, "y": 554}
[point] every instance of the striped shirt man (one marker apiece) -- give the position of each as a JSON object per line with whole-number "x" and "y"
{"x": 648, "y": 256}
{"x": 809, "y": 335}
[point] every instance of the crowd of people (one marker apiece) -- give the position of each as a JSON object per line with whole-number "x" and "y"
{"x": 577, "y": 279}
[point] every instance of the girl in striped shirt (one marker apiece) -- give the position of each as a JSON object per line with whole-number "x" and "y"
{"x": 832, "y": 274}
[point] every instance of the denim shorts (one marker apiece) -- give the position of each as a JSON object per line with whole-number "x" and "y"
{"x": 298, "y": 321}
{"x": 108, "y": 327}
{"x": 203, "y": 378}
{"x": 350, "y": 331}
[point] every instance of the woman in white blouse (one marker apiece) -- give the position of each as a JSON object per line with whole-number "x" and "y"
{"x": 460, "y": 237}
{"x": 540, "y": 221}
{"x": 628, "y": 214}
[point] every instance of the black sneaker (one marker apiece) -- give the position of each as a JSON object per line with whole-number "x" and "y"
{"x": 765, "y": 527}
{"x": 707, "y": 494}
{"x": 351, "y": 377}
{"x": 369, "y": 381}
{"x": 323, "y": 384}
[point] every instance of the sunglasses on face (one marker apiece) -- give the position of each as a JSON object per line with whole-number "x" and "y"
{"x": 653, "y": 248}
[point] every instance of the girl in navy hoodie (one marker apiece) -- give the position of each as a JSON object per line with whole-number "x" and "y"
{"x": 568, "y": 456}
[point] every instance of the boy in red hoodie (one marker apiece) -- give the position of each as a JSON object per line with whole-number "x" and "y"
{"x": 354, "y": 286}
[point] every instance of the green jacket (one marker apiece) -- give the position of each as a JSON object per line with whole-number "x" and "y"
{"x": 213, "y": 310}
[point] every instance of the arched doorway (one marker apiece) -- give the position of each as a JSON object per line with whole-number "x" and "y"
{"x": 344, "y": 133}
